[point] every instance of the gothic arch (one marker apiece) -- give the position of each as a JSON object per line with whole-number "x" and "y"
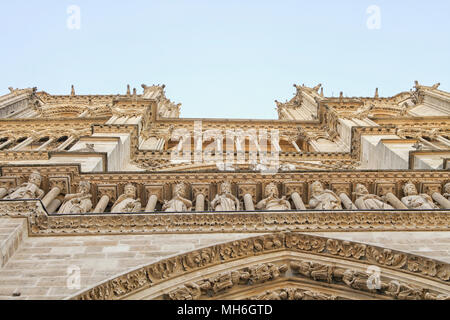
{"x": 283, "y": 266}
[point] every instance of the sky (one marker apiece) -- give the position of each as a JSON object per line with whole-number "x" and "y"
{"x": 225, "y": 58}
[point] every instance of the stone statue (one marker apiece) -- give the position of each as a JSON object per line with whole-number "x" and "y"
{"x": 225, "y": 200}
{"x": 366, "y": 201}
{"x": 414, "y": 200}
{"x": 178, "y": 203}
{"x": 28, "y": 190}
{"x": 79, "y": 202}
{"x": 127, "y": 202}
{"x": 273, "y": 202}
{"x": 323, "y": 199}
{"x": 447, "y": 191}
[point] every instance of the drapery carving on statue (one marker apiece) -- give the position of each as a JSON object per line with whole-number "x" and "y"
{"x": 178, "y": 202}
{"x": 78, "y": 203}
{"x": 366, "y": 201}
{"x": 216, "y": 285}
{"x": 225, "y": 200}
{"x": 272, "y": 202}
{"x": 414, "y": 200}
{"x": 363, "y": 281}
{"x": 294, "y": 294}
{"x": 322, "y": 199}
{"x": 127, "y": 203}
{"x": 28, "y": 190}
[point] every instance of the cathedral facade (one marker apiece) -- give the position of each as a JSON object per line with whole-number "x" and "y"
{"x": 118, "y": 197}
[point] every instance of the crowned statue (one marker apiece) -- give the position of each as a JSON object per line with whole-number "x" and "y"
{"x": 225, "y": 200}
{"x": 178, "y": 202}
{"x": 367, "y": 201}
{"x": 414, "y": 200}
{"x": 127, "y": 202}
{"x": 272, "y": 202}
{"x": 322, "y": 199}
{"x": 78, "y": 203}
{"x": 28, "y": 190}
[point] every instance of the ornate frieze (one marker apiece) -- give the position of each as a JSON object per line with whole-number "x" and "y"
{"x": 231, "y": 222}
{"x": 347, "y": 279}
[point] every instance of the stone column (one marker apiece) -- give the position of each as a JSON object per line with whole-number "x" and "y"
{"x": 51, "y": 196}
{"x": 23, "y": 144}
{"x": 6, "y": 143}
{"x": 200, "y": 203}
{"x": 238, "y": 145}
{"x": 180, "y": 144}
{"x": 296, "y": 146}
{"x": 200, "y": 192}
{"x": 102, "y": 204}
{"x": 247, "y": 192}
{"x": 276, "y": 145}
{"x": 347, "y": 202}
{"x": 84, "y": 114}
{"x": 392, "y": 199}
{"x": 3, "y": 192}
{"x": 445, "y": 204}
{"x": 54, "y": 205}
{"x": 155, "y": 193}
{"x": 248, "y": 201}
{"x": 199, "y": 144}
{"x": 429, "y": 143}
{"x": 45, "y": 144}
{"x": 443, "y": 140}
{"x": 298, "y": 201}
{"x": 151, "y": 205}
{"x": 65, "y": 144}
{"x": 112, "y": 120}
{"x": 219, "y": 144}
{"x": 314, "y": 145}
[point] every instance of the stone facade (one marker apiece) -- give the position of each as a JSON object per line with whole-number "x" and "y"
{"x": 118, "y": 197}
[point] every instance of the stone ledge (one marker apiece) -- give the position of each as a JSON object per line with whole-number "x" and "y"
{"x": 40, "y": 223}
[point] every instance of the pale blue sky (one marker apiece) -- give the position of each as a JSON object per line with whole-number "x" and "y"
{"x": 225, "y": 58}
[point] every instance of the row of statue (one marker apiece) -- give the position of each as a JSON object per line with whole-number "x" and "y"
{"x": 225, "y": 201}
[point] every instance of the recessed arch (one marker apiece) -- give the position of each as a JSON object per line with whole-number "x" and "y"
{"x": 262, "y": 267}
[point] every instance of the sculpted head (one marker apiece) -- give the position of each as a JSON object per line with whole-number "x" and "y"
{"x": 271, "y": 190}
{"x": 447, "y": 188}
{"x": 361, "y": 189}
{"x": 317, "y": 187}
{"x": 225, "y": 187}
{"x": 409, "y": 189}
{"x": 130, "y": 190}
{"x": 179, "y": 189}
{"x": 84, "y": 187}
{"x": 35, "y": 178}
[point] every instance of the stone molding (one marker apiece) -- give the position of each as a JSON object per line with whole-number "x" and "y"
{"x": 40, "y": 223}
{"x": 341, "y": 280}
{"x": 411, "y": 267}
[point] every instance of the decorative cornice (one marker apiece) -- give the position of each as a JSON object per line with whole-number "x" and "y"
{"x": 249, "y": 222}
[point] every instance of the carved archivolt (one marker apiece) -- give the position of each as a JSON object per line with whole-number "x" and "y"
{"x": 421, "y": 278}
